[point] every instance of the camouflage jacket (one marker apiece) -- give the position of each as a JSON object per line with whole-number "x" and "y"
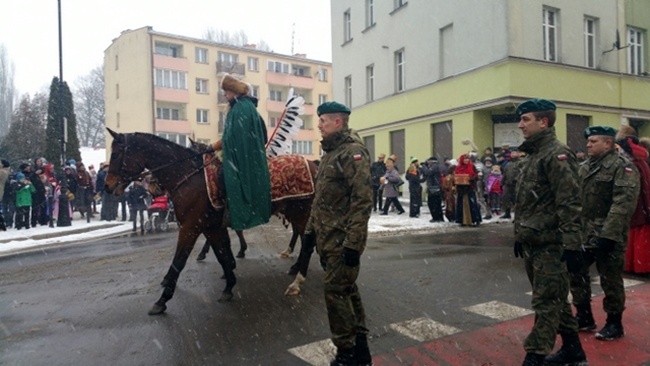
{"x": 610, "y": 188}
{"x": 547, "y": 210}
{"x": 511, "y": 172}
{"x": 343, "y": 199}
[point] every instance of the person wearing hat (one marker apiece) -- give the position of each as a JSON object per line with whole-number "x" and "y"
{"x": 5, "y": 170}
{"x": 548, "y": 233}
{"x": 433, "y": 177}
{"x": 415, "y": 178}
{"x": 338, "y": 225}
{"x": 136, "y": 201}
{"x": 377, "y": 170}
{"x": 610, "y": 188}
{"x": 24, "y": 192}
{"x": 245, "y": 172}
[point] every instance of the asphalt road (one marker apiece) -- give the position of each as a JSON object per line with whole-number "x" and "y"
{"x": 87, "y": 304}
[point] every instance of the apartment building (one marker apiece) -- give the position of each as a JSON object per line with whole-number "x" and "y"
{"x": 422, "y": 77}
{"x": 168, "y": 85}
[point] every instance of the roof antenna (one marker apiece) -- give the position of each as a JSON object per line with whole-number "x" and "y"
{"x": 293, "y": 35}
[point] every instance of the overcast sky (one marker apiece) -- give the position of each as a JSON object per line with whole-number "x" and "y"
{"x": 29, "y": 30}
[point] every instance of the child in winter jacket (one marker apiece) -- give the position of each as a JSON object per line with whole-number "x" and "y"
{"x": 24, "y": 192}
{"x": 494, "y": 189}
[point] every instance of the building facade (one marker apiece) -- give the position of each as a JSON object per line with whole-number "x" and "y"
{"x": 168, "y": 85}
{"x": 435, "y": 77}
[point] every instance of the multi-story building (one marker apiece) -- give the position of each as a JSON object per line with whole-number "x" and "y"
{"x": 168, "y": 85}
{"x": 423, "y": 76}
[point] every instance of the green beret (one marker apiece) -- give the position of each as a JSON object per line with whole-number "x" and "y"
{"x": 535, "y": 105}
{"x": 332, "y": 107}
{"x": 599, "y": 131}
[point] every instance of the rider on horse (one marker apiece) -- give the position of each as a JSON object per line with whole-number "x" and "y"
{"x": 245, "y": 173}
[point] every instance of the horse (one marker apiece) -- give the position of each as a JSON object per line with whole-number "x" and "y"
{"x": 179, "y": 170}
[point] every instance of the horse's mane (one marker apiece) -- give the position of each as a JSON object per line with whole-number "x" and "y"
{"x": 163, "y": 141}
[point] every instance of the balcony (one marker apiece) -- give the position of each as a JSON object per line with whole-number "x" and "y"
{"x": 236, "y": 68}
{"x": 171, "y": 95}
{"x": 173, "y": 126}
{"x": 303, "y": 82}
{"x": 170, "y": 63}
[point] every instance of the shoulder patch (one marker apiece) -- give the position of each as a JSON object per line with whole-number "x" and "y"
{"x": 628, "y": 170}
{"x": 562, "y": 157}
{"x": 357, "y": 156}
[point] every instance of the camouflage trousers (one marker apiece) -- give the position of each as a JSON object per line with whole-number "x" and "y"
{"x": 610, "y": 268}
{"x": 549, "y": 278}
{"x": 344, "y": 308}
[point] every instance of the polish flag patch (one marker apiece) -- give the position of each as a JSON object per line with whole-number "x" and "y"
{"x": 629, "y": 170}
{"x": 562, "y": 157}
{"x": 357, "y": 157}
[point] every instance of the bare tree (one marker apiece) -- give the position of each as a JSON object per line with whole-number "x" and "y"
{"x": 89, "y": 108}
{"x": 7, "y": 90}
{"x": 239, "y": 38}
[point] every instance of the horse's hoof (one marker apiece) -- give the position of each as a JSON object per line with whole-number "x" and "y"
{"x": 292, "y": 291}
{"x": 241, "y": 254}
{"x": 285, "y": 253}
{"x": 225, "y": 297}
{"x": 157, "y": 309}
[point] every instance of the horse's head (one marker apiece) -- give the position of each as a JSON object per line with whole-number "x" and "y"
{"x": 124, "y": 166}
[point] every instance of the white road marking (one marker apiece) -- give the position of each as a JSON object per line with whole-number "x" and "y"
{"x": 316, "y": 353}
{"x": 498, "y": 310}
{"x": 423, "y": 329}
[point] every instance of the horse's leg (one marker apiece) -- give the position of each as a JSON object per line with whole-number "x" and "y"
{"x": 302, "y": 265}
{"x": 221, "y": 248}
{"x": 242, "y": 244}
{"x": 292, "y": 243}
{"x": 184, "y": 246}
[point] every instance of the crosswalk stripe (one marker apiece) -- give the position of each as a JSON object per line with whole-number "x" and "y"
{"x": 423, "y": 329}
{"x": 498, "y": 310}
{"x": 316, "y": 353}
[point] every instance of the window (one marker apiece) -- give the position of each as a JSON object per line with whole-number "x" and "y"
{"x": 273, "y": 121}
{"x": 400, "y": 3}
{"x": 220, "y": 124}
{"x": 170, "y": 79}
{"x": 301, "y": 147}
{"x": 300, "y": 70}
{"x": 253, "y": 64}
{"x": 590, "y": 42}
{"x": 275, "y": 95}
{"x": 201, "y": 116}
{"x": 322, "y": 74}
{"x": 276, "y": 66}
{"x": 256, "y": 91}
{"x": 173, "y": 137}
{"x": 348, "y": 90}
{"x": 228, "y": 58}
{"x": 370, "y": 83}
{"x": 549, "y": 28}
{"x": 168, "y": 113}
{"x": 168, "y": 49}
{"x": 400, "y": 78}
{"x": 322, "y": 98}
{"x": 370, "y": 13}
{"x": 347, "y": 26}
{"x": 117, "y": 63}
{"x": 201, "y": 55}
{"x": 117, "y": 91}
{"x": 635, "y": 52}
{"x": 117, "y": 118}
{"x": 202, "y": 86}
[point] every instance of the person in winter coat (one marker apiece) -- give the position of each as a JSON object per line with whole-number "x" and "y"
{"x": 84, "y": 192}
{"x": 390, "y": 181}
{"x": 449, "y": 191}
{"x": 415, "y": 179}
{"x": 493, "y": 189}
{"x": 637, "y": 255}
{"x": 39, "y": 197}
{"x": 136, "y": 200}
{"x": 468, "y": 212}
{"x": 377, "y": 170}
{"x": 5, "y": 169}
{"x": 71, "y": 184}
{"x": 433, "y": 177}
{"x": 24, "y": 192}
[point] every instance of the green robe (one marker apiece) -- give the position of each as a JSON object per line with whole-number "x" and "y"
{"x": 246, "y": 171}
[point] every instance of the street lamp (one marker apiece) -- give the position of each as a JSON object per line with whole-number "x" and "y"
{"x": 64, "y": 211}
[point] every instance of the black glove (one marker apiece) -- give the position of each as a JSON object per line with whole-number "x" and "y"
{"x": 519, "y": 249}
{"x": 604, "y": 244}
{"x": 574, "y": 260}
{"x": 351, "y": 257}
{"x": 209, "y": 149}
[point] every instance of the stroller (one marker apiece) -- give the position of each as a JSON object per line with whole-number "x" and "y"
{"x": 159, "y": 213}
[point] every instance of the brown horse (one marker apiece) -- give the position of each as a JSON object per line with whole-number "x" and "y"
{"x": 179, "y": 171}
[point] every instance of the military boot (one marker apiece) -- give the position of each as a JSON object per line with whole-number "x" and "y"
{"x": 344, "y": 357}
{"x": 362, "y": 351}
{"x": 585, "y": 318}
{"x": 613, "y": 328}
{"x": 533, "y": 359}
{"x": 570, "y": 354}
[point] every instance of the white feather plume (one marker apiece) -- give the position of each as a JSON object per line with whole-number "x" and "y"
{"x": 288, "y": 127}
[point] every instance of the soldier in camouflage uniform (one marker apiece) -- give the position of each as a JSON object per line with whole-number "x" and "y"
{"x": 547, "y": 234}
{"x": 510, "y": 173}
{"x": 339, "y": 226}
{"x": 610, "y": 186}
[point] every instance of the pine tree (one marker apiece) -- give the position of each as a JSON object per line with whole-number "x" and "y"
{"x": 26, "y": 137}
{"x": 56, "y": 110}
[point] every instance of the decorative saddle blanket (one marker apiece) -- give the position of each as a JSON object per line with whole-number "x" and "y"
{"x": 290, "y": 178}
